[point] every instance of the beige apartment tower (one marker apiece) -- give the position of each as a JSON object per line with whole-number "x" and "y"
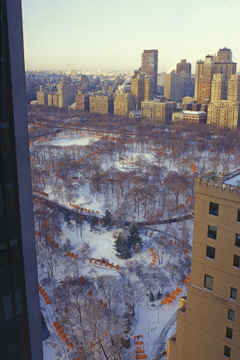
{"x": 123, "y": 103}
{"x": 204, "y": 75}
{"x": 208, "y": 325}
{"x": 225, "y": 113}
{"x": 183, "y": 66}
{"x": 138, "y": 90}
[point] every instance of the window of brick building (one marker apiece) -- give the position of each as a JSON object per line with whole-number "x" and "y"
{"x": 210, "y": 252}
{"x": 237, "y": 241}
{"x": 231, "y": 314}
{"x": 236, "y": 261}
{"x": 212, "y": 232}
{"x": 227, "y": 351}
{"x": 233, "y": 294}
{"x": 213, "y": 209}
{"x": 229, "y": 333}
{"x": 208, "y": 282}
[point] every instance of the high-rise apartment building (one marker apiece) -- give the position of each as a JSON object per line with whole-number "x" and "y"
{"x": 222, "y": 64}
{"x": 217, "y": 88}
{"x": 138, "y": 90}
{"x": 148, "y": 89}
{"x": 20, "y": 319}
{"x": 158, "y": 111}
{"x": 225, "y": 113}
{"x": 208, "y": 325}
{"x": 123, "y": 103}
{"x": 150, "y": 66}
{"x": 184, "y": 66}
{"x": 204, "y": 74}
{"x": 42, "y": 97}
{"x": 66, "y": 94}
{"x": 177, "y": 86}
{"x": 224, "y": 54}
{"x": 101, "y": 104}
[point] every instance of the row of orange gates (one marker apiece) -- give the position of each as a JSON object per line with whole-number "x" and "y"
{"x": 168, "y": 300}
{"x": 101, "y": 262}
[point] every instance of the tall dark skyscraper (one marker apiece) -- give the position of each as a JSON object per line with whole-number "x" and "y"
{"x": 20, "y": 330}
{"x": 150, "y": 66}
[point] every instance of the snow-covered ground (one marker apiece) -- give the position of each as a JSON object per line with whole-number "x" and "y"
{"x": 151, "y": 316}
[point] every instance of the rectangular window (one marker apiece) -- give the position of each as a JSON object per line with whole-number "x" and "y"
{"x": 210, "y": 252}
{"x": 227, "y": 351}
{"x": 238, "y": 216}
{"x": 213, "y": 209}
{"x": 233, "y": 294}
{"x": 229, "y": 333}
{"x": 7, "y": 307}
{"x": 208, "y": 282}
{"x": 236, "y": 261}
{"x": 231, "y": 314}
{"x": 212, "y": 232}
{"x": 237, "y": 241}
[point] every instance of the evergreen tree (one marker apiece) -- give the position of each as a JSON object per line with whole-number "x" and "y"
{"x": 134, "y": 238}
{"x": 151, "y": 297}
{"x": 122, "y": 247}
{"x": 93, "y": 223}
{"x": 107, "y": 220}
{"x": 159, "y": 295}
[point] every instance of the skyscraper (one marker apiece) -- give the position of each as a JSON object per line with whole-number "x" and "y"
{"x": 20, "y": 330}
{"x": 208, "y": 324}
{"x": 183, "y": 66}
{"x": 222, "y": 64}
{"x": 150, "y": 66}
{"x": 204, "y": 74}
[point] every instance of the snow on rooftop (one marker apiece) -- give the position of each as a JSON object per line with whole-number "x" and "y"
{"x": 234, "y": 181}
{"x": 194, "y": 112}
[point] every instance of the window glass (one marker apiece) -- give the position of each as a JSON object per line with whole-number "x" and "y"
{"x": 210, "y": 252}
{"x": 212, "y": 232}
{"x": 7, "y": 307}
{"x": 229, "y": 333}
{"x": 233, "y": 294}
{"x": 227, "y": 351}
{"x": 208, "y": 283}
{"x": 213, "y": 209}
{"x": 238, "y": 216}
{"x": 236, "y": 261}
{"x": 231, "y": 314}
{"x": 237, "y": 241}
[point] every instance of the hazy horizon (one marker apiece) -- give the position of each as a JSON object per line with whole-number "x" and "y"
{"x": 111, "y": 36}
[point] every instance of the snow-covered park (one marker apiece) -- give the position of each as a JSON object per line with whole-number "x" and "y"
{"x": 121, "y": 242}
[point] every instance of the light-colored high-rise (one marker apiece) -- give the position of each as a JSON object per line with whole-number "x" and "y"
{"x": 208, "y": 324}
{"x": 225, "y": 113}
{"x": 204, "y": 74}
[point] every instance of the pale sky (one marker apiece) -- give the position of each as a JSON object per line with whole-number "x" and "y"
{"x": 111, "y": 35}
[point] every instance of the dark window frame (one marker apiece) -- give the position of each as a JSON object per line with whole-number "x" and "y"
{"x": 210, "y": 252}
{"x": 232, "y": 293}
{"x": 229, "y": 333}
{"x": 236, "y": 261}
{"x": 237, "y": 240}
{"x": 213, "y": 211}
{"x": 212, "y": 232}
{"x": 227, "y": 351}
{"x": 238, "y": 216}
{"x": 205, "y": 278}
{"x": 231, "y": 314}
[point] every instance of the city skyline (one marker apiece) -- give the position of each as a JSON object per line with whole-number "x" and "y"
{"x": 111, "y": 36}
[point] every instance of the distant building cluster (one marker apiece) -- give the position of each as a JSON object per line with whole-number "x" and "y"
{"x": 209, "y": 97}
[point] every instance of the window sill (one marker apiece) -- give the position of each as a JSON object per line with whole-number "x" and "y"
{"x": 207, "y": 289}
